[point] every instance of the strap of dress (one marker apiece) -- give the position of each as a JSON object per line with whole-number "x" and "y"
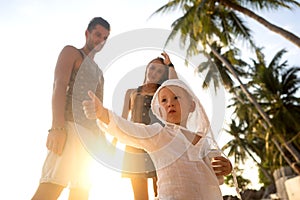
{"x": 81, "y": 53}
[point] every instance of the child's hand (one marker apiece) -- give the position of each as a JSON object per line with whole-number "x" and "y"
{"x": 93, "y": 107}
{"x": 221, "y": 166}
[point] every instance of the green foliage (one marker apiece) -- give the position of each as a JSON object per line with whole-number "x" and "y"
{"x": 242, "y": 182}
{"x": 274, "y": 86}
{"x": 208, "y": 25}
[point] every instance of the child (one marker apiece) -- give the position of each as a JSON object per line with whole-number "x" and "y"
{"x": 179, "y": 149}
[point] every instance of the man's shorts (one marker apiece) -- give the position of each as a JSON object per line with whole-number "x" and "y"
{"x": 72, "y": 168}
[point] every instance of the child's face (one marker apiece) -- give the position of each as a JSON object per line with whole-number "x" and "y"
{"x": 155, "y": 71}
{"x": 176, "y": 104}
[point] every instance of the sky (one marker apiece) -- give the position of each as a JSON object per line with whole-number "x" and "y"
{"x": 32, "y": 35}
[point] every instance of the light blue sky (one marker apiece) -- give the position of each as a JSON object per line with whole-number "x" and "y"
{"x": 32, "y": 34}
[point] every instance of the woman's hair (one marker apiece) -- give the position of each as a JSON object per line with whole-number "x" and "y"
{"x": 164, "y": 77}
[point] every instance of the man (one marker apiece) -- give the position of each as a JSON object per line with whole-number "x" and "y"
{"x": 67, "y": 162}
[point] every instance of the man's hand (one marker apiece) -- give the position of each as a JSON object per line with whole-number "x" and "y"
{"x": 56, "y": 141}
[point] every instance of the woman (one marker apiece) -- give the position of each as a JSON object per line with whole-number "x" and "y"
{"x": 137, "y": 164}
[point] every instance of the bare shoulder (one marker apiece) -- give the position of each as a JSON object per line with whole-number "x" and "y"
{"x": 130, "y": 91}
{"x": 71, "y": 56}
{"x": 70, "y": 50}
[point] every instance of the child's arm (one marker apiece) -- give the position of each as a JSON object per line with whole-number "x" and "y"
{"x": 126, "y": 109}
{"x": 94, "y": 109}
{"x": 133, "y": 134}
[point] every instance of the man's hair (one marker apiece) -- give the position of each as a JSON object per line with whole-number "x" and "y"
{"x": 98, "y": 21}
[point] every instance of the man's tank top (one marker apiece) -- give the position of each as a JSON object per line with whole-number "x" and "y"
{"x": 88, "y": 77}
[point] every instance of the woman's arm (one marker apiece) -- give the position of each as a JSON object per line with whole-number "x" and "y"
{"x": 167, "y": 61}
{"x": 127, "y": 104}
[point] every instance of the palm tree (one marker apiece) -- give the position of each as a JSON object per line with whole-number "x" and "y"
{"x": 275, "y": 85}
{"x": 206, "y": 21}
{"x": 237, "y": 6}
{"x": 244, "y": 143}
{"x": 215, "y": 71}
{"x": 223, "y": 12}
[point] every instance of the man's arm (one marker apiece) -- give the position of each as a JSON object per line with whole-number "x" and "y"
{"x": 67, "y": 60}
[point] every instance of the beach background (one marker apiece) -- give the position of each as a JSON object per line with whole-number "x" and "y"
{"x": 33, "y": 34}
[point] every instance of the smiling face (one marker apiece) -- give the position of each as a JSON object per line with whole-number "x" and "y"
{"x": 176, "y": 104}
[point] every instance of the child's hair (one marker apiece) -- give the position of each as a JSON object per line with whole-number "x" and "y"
{"x": 166, "y": 72}
{"x": 98, "y": 21}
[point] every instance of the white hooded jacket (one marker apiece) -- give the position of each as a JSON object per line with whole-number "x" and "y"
{"x": 184, "y": 170}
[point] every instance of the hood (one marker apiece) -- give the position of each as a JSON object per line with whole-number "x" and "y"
{"x": 197, "y": 120}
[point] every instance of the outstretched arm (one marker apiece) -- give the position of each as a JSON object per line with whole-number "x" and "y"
{"x": 134, "y": 134}
{"x": 126, "y": 110}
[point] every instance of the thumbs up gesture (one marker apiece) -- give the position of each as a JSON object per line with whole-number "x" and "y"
{"x": 93, "y": 108}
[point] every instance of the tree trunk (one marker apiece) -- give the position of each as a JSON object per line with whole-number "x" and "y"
{"x": 243, "y": 87}
{"x": 264, "y": 171}
{"x": 293, "y": 151}
{"x": 286, "y": 34}
{"x": 282, "y": 153}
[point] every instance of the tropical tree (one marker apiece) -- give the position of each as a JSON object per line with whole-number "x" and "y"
{"x": 241, "y": 6}
{"x": 274, "y": 86}
{"x": 215, "y": 71}
{"x": 205, "y": 14}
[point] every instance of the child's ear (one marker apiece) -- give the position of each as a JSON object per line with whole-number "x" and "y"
{"x": 192, "y": 106}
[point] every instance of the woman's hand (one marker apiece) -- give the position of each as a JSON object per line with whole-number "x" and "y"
{"x": 167, "y": 60}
